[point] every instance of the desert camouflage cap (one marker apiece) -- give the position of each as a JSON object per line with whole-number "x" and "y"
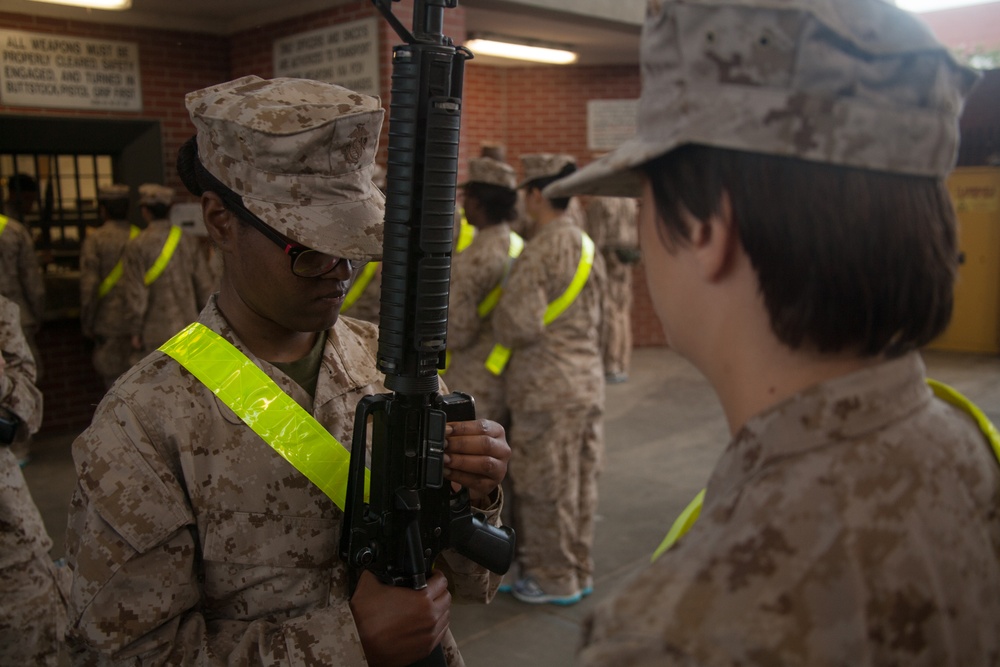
{"x": 544, "y": 165}
{"x": 301, "y": 155}
{"x": 858, "y": 83}
{"x": 151, "y": 194}
{"x": 492, "y": 172}
{"x": 112, "y": 192}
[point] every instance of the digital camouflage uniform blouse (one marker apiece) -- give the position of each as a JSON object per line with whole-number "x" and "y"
{"x": 561, "y": 363}
{"x": 102, "y": 249}
{"x": 158, "y": 311}
{"x": 32, "y": 610}
{"x": 857, "y": 523}
{"x": 193, "y": 542}
{"x": 475, "y": 273}
{"x": 21, "y": 278}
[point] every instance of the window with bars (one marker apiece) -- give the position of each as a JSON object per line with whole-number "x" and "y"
{"x": 67, "y": 199}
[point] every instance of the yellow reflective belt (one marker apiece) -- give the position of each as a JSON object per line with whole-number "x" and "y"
{"x": 112, "y": 278}
{"x": 500, "y": 355}
{"x": 466, "y": 233}
{"x": 3, "y": 223}
{"x": 514, "y": 249}
{"x": 161, "y": 262}
{"x": 947, "y": 394}
{"x": 360, "y": 285}
{"x": 265, "y": 408}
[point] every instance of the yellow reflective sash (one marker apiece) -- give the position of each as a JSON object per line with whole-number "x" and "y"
{"x": 682, "y": 524}
{"x": 487, "y": 305}
{"x": 466, "y": 233}
{"x": 500, "y": 355}
{"x": 947, "y": 394}
{"x": 173, "y": 238}
{"x": 952, "y": 397}
{"x": 362, "y": 282}
{"x": 112, "y": 278}
{"x": 514, "y": 249}
{"x": 265, "y": 408}
{"x": 3, "y": 223}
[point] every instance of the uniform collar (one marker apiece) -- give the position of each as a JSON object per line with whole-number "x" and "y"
{"x": 838, "y": 410}
{"x": 337, "y": 376}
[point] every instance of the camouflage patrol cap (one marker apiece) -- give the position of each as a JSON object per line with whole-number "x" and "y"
{"x": 492, "y": 172}
{"x": 151, "y": 194}
{"x": 544, "y": 165}
{"x": 301, "y": 156}
{"x": 856, "y": 83}
{"x": 112, "y": 192}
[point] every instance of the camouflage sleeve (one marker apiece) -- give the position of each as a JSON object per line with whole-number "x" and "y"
{"x": 135, "y": 294}
{"x": 18, "y": 392}
{"x": 517, "y": 319}
{"x": 469, "y": 286}
{"x": 137, "y": 593}
{"x": 31, "y": 277}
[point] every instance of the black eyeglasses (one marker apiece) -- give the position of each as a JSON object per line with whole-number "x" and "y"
{"x": 305, "y": 262}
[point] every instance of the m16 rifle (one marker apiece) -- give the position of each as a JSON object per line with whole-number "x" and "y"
{"x": 413, "y": 514}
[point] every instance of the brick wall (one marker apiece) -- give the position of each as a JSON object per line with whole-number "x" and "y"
{"x": 251, "y": 50}
{"x": 540, "y": 109}
{"x": 544, "y": 109}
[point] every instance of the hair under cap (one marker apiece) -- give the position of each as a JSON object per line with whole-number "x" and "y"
{"x": 857, "y": 83}
{"x": 301, "y": 156}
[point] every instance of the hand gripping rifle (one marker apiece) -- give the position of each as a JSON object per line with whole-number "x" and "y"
{"x": 413, "y": 514}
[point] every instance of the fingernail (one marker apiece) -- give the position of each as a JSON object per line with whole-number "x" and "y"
{"x": 447, "y": 459}
{"x": 448, "y": 429}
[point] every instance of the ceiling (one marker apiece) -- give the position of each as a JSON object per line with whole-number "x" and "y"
{"x": 597, "y": 41}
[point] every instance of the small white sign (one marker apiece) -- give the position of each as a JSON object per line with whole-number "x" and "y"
{"x": 64, "y": 72}
{"x": 610, "y": 123}
{"x": 345, "y": 54}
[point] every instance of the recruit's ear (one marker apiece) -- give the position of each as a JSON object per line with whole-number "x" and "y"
{"x": 219, "y": 220}
{"x": 715, "y": 241}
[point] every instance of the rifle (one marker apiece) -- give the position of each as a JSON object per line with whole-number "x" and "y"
{"x": 413, "y": 514}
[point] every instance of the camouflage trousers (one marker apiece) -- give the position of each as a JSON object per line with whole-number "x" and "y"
{"x": 111, "y": 357}
{"x": 32, "y": 612}
{"x": 555, "y": 462}
{"x": 618, "y": 350}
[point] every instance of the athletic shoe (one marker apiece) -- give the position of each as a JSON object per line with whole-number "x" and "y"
{"x": 527, "y": 590}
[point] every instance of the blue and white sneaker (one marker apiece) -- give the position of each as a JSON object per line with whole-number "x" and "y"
{"x": 527, "y": 590}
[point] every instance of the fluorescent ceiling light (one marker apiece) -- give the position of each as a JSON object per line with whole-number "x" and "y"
{"x": 93, "y": 4}
{"x": 936, "y": 5}
{"x": 503, "y": 49}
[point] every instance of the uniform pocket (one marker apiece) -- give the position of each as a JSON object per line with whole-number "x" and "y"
{"x": 255, "y": 538}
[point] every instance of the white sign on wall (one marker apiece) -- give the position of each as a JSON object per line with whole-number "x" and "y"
{"x": 610, "y": 123}
{"x": 64, "y": 72}
{"x": 344, "y": 54}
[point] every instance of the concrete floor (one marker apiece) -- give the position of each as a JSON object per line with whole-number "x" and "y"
{"x": 664, "y": 431}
